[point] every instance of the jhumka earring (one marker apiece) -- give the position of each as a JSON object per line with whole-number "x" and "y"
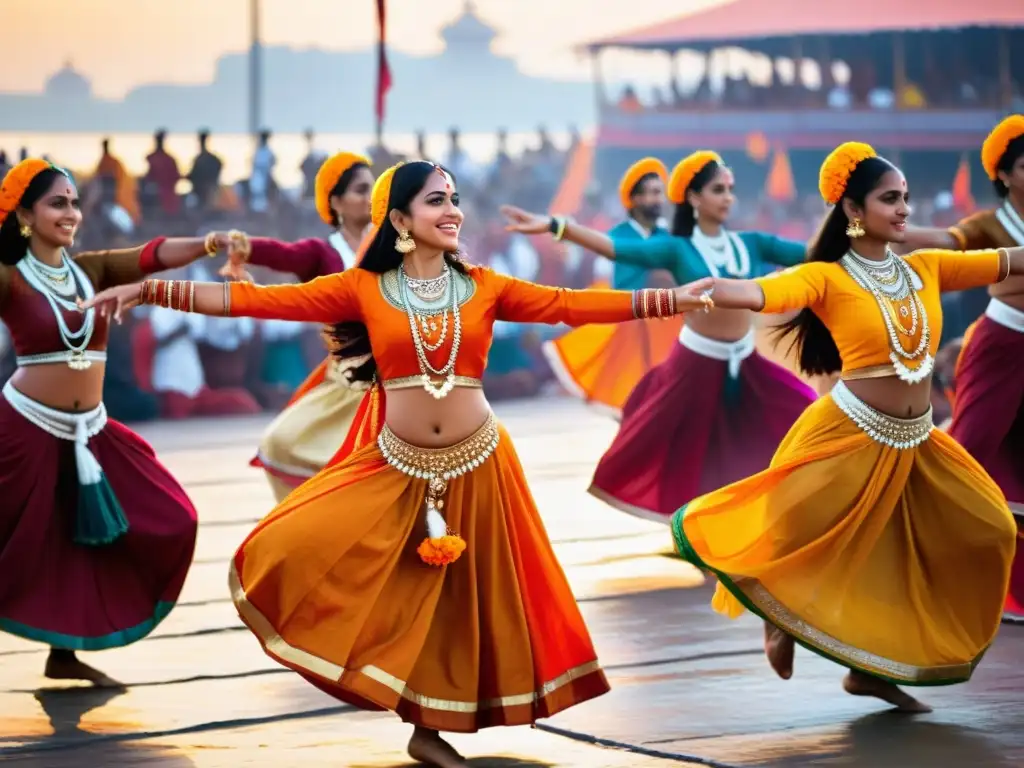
{"x": 405, "y": 243}
{"x": 26, "y": 231}
{"x": 855, "y": 229}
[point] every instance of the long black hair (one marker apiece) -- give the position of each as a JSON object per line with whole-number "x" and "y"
{"x": 341, "y": 187}
{"x": 1013, "y": 152}
{"x": 352, "y": 340}
{"x": 13, "y": 246}
{"x": 819, "y": 354}
{"x": 685, "y": 219}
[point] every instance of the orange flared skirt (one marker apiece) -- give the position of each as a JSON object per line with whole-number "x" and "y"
{"x": 331, "y": 584}
{"x": 601, "y": 364}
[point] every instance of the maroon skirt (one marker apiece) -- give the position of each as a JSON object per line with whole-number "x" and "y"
{"x": 690, "y": 428}
{"x": 988, "y": 420}
{"x": 76, "y": 596}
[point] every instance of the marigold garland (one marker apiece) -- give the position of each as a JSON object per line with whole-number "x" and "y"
{"x": 327, "y": 178}
{"x": 637, "y": 171}
{"x": 839, "y": 166}
{"x": 443, "y": 550}
{"x": 13, "y": 187}
{"x": 381, "y": 194}
{"x": 998, "y": 141}
{"x": 684, "y": 172}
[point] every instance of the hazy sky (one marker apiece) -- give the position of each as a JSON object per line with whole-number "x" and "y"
{"x": 121, "y": 43}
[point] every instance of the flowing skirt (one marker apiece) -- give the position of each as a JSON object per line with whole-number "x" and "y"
{"x": 87, "y": 597}
{"x": 988, "y": 418}
{"x": 890, "y": 561}
{"x": 301, "y": 440}
{"x": 601, "y": 364}
{"x": 332, "y": 586}
{"x": 692, "y": 426}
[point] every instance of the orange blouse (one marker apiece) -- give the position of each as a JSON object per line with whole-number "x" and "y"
{"x": 357, "y": 295}
{"x": 852, "y": 314}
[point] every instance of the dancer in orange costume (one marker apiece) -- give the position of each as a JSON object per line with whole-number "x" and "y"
{"x": 415, "y": 575}
{"x": 988, "y": 410}
{"x": 304, "y": 436}
{"x": 873, "y": 538}
{"x": 603, "y": 363}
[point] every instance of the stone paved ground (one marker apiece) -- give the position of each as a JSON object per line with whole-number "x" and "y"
{"x": 688, "y": 686}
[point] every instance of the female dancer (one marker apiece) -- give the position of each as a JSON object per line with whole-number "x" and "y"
{"x": 95, "y": 536}
{"x": 873, "y": 539}
{"x": 333, "y": 581}
{"x": 311, "y": 428}
{"x": 715, "y": 401}
{"x": 603, "y": 363}
{"x": 988, "y": 412}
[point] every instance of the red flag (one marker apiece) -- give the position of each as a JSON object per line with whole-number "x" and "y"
{"x": 383, "y": 70}
{"x": 962, "y": 197}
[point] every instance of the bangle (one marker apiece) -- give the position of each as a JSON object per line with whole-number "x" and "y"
{"x": 558, "y": 226}
{"x": 240, "y": 244}
{"x": 227, "y": 299}
{"x": 210, "y": 244}
{"x": 1004, "y": 264}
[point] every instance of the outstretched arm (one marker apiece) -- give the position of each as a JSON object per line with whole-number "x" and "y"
{"x": 652, "y": 253}
{"x": 128, "y": 265}
{"x": 525, "y": 302}
{"x": 328, "y": 299}
{"x": 791, "y": 289}
{"x": 963, "y": 270}
{"x": 306, "y": 259}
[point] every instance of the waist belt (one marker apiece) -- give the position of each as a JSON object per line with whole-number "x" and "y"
{"x": 1005, "y": 315}
{"x": 732, "y": 352}
{"x": 65, "y": 356}
{"x": 881, "y": 427}
{"x": 100, "y": 519}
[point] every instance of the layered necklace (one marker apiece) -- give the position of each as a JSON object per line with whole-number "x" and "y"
{"x": 62, "y": 286}
{"x": 724, "y": 251}
{"x": 891, "y": 282}
{"x": 421, "y": 325}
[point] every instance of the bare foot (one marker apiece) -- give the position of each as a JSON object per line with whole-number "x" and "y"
{"x": 779, "y": 648}
{"x": 428, "y": 747}
{"x": 65, "y": 665}
{"x": 860, "y": 684}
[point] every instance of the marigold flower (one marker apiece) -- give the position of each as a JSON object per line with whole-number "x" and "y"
{"x": 839, "y": 166}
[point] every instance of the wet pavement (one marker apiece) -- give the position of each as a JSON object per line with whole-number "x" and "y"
{"x": 689, "y": 687}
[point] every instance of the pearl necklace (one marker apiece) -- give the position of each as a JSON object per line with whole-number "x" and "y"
{"x": 891, "y": 282}
{"x": 430, "y": 289}
{"x": 437, "y": 391}
{"x": 61, "y": 285}
{"x": 724, "y": 251}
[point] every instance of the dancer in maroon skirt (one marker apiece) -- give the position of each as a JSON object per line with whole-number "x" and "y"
{"x": 715, "y": 410}
{"x": 988, "y": 411}
{"x": 95, "y": 535}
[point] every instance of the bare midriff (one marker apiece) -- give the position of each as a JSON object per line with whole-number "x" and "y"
{"x": 721, "y": 324}
{"x": 418, "y": 418}
{"x": 1009, "y": 291}
{"x": 892, "y": 396}
{"x": 57, "y": 386}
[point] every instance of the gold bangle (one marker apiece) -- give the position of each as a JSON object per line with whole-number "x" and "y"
{"x": 210, "y": 244}
{"x": 1004, "y": 259}
{"x": 191, "y": 296}
{"x": 227, "y": 299}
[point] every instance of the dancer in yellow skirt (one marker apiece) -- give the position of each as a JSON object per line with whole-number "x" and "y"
{"x": 873, "y": 539}
{"x": 415, "y": 575}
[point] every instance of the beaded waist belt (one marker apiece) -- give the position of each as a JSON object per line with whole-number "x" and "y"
{"x": 881, "y": 427}
{"x": 437, "y": 466}
{"x": 76, "y": 359}
{"x": 414, "y": 382}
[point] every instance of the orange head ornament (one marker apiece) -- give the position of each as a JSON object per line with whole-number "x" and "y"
{"x": 685, "y": 171}
{"x": 638, "y": 170}
{"x": 13, "y": 187}
{"x": 839, "y": 166}
{"x": 381, "y": 195}
{"x": 327, "y": 179}
{"x": 998, "y": 142}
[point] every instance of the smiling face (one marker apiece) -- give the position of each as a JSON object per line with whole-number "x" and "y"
{"x": 714, "y": 201}
{"x": 56, "y": 216}
{"x": 353, "y": 205}
{"x": 434, "y": 218}
{"x": 885, "y": 210}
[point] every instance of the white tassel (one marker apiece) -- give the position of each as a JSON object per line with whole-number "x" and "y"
{"x": 436, "y": 526}
{"x": 89, "y": 470}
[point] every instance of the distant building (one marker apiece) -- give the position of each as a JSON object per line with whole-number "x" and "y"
{"x": 67, "y": 83}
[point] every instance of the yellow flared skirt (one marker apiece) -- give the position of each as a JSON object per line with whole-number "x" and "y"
{"x": 307, "y": 434}
{"x": 894, "y": 562}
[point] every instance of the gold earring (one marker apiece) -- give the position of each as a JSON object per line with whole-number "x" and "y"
{"x": 26, "y": 231}
{"x": 405, "y": 244}
{"x": 855, "y": 229}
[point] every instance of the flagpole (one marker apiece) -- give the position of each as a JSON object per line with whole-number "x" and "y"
{"x": 383, "y": 70}
{"x": 255, "y": 68}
